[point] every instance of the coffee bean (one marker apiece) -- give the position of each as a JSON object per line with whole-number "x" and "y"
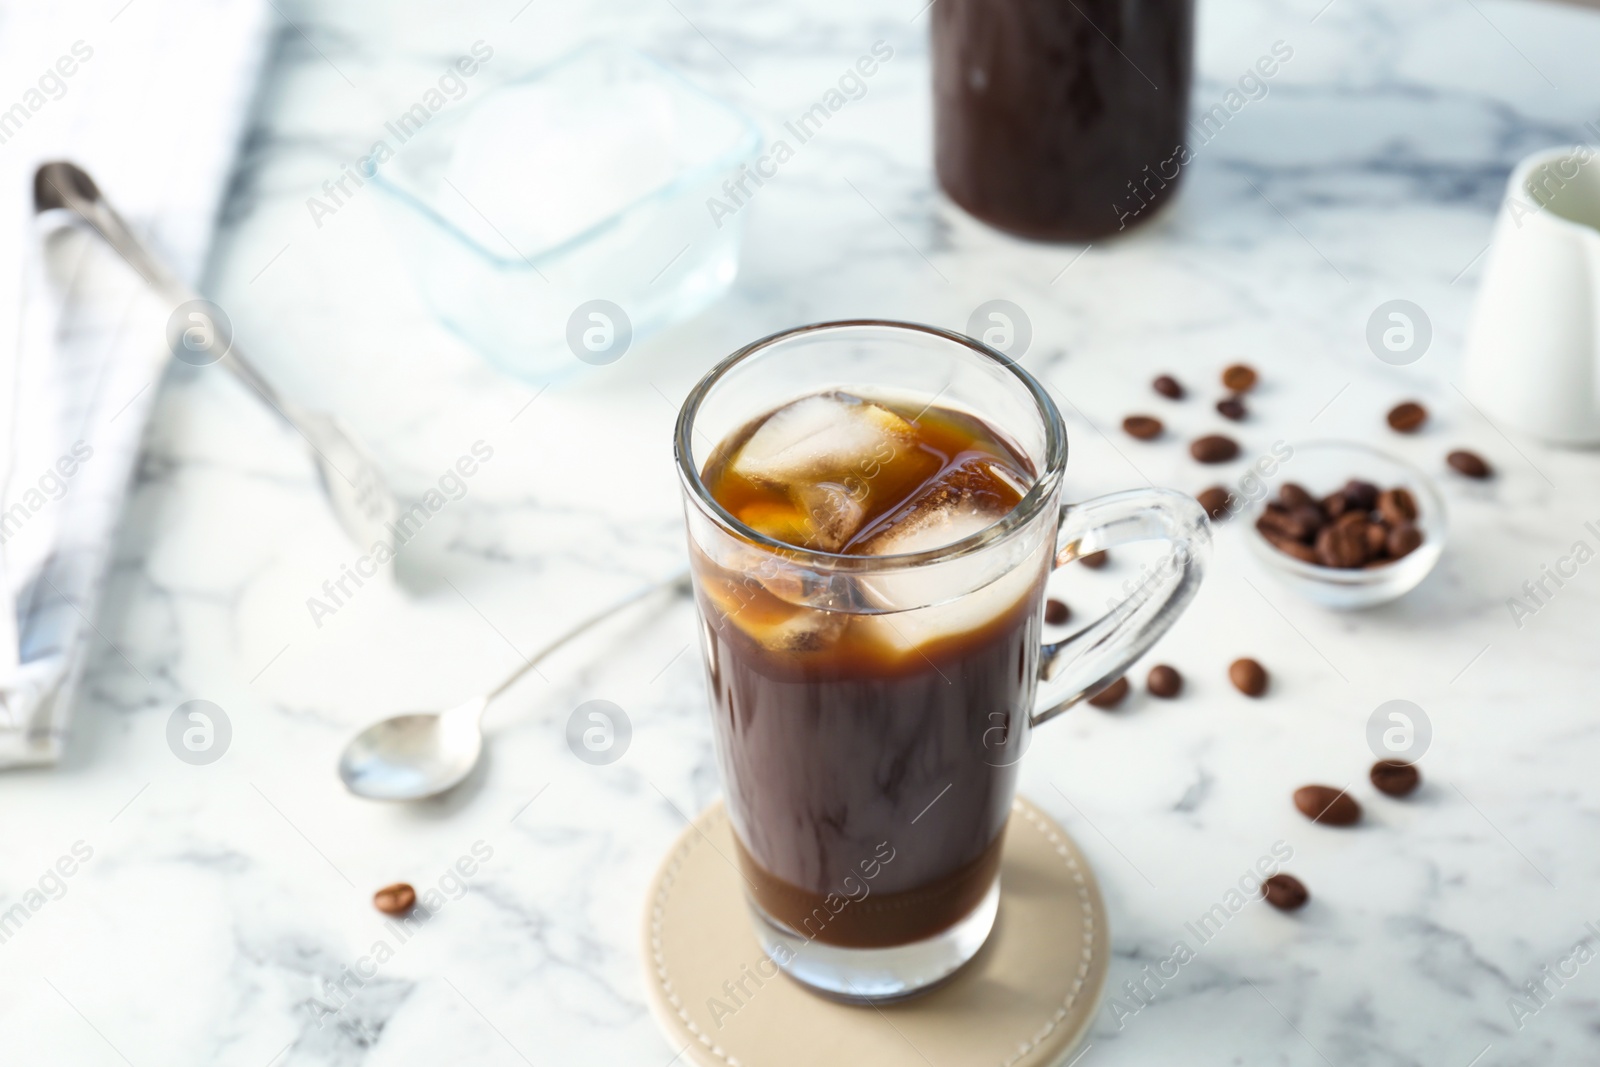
{"x": 1095, "y": 560}
{"x": 1343, "y": 544}
{"x": 1285, "y": 892}
{"x": 1164, "y": 681}
{"x": 1395, "y": 777}
{"x": 1232, "y": 408}
{"x": 1214, "y": 448}
{"x": 1397, "y": 506}
{"x": 1291, "y": 495}
{"x": 1297, "y": 524}
{"x": 1144, "y": 427}
{"x": 1407, "y": 417}
{"x": 1056, "y": 612}
{"x": 1239, "y": 378}
{"x": 1307, "y": 521}
{"x": 1325, "y": 804}
{"x": 1275, "y": 518}
{"x": 1377, "y": 540}
{"x": 1215, "y": 501}
{"x": 1111, "y": 695}
{"x": 1403, "y": 540}
{"x": 397, "y": 899}
{"x": 1290, "y": 547}
{"x": 1335, "y": 504}
{"x": 1248, "y": 676}
{"x": 1361, "y": 496}
{"x": 1168, "y": 387}
{"x": 1469, "y": 463}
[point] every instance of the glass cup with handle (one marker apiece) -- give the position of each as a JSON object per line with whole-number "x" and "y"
{"x": 869, "y": 711}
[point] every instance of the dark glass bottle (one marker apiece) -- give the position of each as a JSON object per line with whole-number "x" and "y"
{"x": 1061, "y": 119}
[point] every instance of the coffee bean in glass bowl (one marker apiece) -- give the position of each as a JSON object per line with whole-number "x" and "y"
{"x": 1354, "y": 527}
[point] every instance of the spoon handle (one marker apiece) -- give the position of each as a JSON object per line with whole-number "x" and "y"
{"x": 66, "y": 185}
{"x": 676, "y": 581}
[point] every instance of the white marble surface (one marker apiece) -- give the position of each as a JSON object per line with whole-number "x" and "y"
{"x": 218, "y": 899}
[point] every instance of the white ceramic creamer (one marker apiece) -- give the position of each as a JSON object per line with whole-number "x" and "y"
{"x": 1533, "y": 346}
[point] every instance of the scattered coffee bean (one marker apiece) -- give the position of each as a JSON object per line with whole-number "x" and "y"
{"x": 1215, "y": 501}
{"x": 1111, "y": 695}
{"x": 1164, "y": 681}
{"x": 1403, "y": 540}
{"x": 1214, "y": 448}
{"x": 1325, "y": 804}
{"x": 1395, "y": 777}
{"x": 1095, "y": 560}
{"x": 1248, "y": 676}
{"x": 1285, "y": 892}
{"x": 1239, "y": 378}
{"x": 1469, "y": 463}
{"x": 1397, "y": 506}
{"x": 1232, "y": 408}
{"x": 1407, "y": 417}
{"x": 397, "y": 899}
{"x": 1168, "y": 387}
{"x": 1144, "y": 427}
{"x": 1056, "y": 612}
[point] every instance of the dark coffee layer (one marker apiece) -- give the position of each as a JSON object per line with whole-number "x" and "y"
{"x": 1061, "y": 121}
{"x": 857, "y": 916}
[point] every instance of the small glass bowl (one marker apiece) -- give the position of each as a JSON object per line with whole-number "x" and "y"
{"x": 1322, "y": 467}
{"x": 575, "y": 196}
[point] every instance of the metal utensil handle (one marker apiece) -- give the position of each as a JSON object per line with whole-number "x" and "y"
{"x": 115, "y": 231}
{"x": 678, "y": 580}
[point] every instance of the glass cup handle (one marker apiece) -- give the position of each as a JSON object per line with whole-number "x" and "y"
{"x": 1084, "y": 663}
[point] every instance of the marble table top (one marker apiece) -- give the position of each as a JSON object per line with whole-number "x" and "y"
{"x": 221, "y": 914}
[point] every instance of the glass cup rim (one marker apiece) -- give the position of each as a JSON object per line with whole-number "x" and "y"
{"x": 1040, "y": 494}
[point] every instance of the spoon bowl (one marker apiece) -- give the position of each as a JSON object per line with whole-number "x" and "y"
{"x": 420, "y": 754}
{"x": 414, "y": 755}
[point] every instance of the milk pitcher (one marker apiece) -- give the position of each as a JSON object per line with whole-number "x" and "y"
{"x": 1533, "y": 346}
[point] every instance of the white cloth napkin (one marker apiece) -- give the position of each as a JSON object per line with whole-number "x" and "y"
{"x": 150, "y": 97}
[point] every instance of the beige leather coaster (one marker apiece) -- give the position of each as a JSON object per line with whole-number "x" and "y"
{"x": 1024, "y": 1001}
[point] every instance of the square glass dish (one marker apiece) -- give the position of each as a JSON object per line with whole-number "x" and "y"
{"x": 559, "y": 217}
